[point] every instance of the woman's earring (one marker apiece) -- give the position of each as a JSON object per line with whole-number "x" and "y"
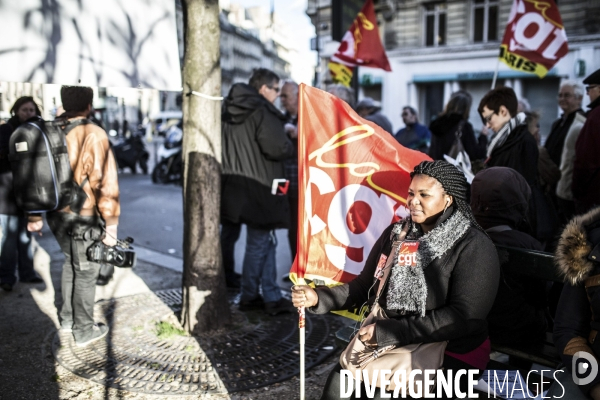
{"x": 445, "y": 208}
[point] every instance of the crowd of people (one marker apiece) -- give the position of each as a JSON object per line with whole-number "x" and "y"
{"x": 523, "y": 194}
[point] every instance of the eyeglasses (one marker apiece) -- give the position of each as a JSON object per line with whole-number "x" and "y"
{"x": 565, "y": 95}
{"x": 486, "y": 120}
{"x": 590, "y": 87}
{"x": 275, "y": 88}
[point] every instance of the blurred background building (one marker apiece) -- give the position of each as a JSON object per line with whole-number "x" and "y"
{"x": 438, "y": 47}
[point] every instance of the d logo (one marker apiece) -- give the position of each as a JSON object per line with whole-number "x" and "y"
{"x": 584, "y": 367}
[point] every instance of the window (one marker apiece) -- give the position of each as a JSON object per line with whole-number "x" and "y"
{"x": 485, "y": 20}
{"x": 435, "y": 24}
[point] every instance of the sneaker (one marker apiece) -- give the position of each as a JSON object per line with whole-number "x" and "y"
{"x": 255, "y": 304}
{"x": 280, "y": 306}
{"x": 7, "y": 287}
{"x": 97, "y": 333}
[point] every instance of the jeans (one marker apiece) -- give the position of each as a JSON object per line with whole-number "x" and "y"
{"x": 260, "y": 266}
{"x": 16, "y": 249}
{"x": 75, "y": 234}
{"x": 230, "y": 233}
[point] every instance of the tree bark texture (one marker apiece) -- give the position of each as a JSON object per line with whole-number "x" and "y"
{"x": 205, "y": 305}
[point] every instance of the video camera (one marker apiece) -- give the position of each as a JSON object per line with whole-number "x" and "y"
{"x": 121, "y": 255}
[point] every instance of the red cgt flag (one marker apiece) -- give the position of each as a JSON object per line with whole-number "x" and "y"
{"x": 535, "y": 38}
{"x": 360, "y": 45}
{"x": 353, "y": 180}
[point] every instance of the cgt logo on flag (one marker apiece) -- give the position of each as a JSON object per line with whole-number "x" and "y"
{"x": 534, "y": 39}
{"x": 353, "y": 179}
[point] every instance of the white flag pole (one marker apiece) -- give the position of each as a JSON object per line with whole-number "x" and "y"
{"x": 495, "y": 74}
{"x": 302, "y": 332}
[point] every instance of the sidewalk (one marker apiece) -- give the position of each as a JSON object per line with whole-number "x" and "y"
{"x": 144, "y": 359}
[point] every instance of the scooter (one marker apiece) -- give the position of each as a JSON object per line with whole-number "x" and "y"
{"x": 130, "y": 152}
{"x": 169, "y": 165}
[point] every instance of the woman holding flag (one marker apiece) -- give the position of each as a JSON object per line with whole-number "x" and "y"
{"x": 443, "y": 294}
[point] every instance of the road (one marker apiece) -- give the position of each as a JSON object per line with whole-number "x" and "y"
{"x": 153, "y": 215}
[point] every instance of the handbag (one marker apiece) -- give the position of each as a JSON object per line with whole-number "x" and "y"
{"x": 458, "y": 156}
{"x": 421, "y": 356}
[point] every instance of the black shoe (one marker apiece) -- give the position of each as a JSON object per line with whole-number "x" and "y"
{"x": 103, "y": 280}
{"x": 280, "y": 306}
{"x": 254, "y": 304}
{"x": 35, "y": 279}
{"x": 7, "y": 287}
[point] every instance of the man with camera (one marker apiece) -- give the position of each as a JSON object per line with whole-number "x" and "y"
{"x": 95, "y": 171}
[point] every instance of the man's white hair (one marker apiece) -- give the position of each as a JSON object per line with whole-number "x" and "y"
{"x": 577, "y": 88}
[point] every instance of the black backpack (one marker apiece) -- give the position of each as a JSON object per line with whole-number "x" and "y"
{"x": 42, "y": 175}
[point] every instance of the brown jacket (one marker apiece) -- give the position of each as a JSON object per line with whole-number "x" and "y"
{"x": 91, "y": 157}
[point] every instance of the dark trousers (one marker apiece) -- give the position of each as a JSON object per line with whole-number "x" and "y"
{"x": 293, "y": 231}
{"x": 16, "y": 249}
{"x": 230, "y": 233}
{"x": 75, "y": 234}
{"x": 331, "y": 391}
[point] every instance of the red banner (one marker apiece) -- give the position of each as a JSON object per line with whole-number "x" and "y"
{"x": 361, "y": 45}
{"x": 353, "y": 180}
{"x": 535, "y": 38}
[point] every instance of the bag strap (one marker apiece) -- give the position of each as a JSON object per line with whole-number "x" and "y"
{"x": 458, "y": 132}
{"x": 390, "y": 261}
{"x": 386, "y": 270}
{"x": 67, "y": 126}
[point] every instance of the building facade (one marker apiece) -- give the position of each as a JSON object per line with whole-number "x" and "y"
{"x": 438, "y": 47}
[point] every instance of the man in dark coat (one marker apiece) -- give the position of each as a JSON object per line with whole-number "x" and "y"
{"x": 586, "y": 171}
{"x": 500, "y": 201}
{"x": 414, "y": 135}
{"x": 371, "y": 111}
{"x": 254, "y": 146}
{"x": 569, "y": 100}
{"x": 511, "y": 145}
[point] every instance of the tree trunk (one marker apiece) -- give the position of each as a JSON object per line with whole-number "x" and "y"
{"x": 205, "y": 305}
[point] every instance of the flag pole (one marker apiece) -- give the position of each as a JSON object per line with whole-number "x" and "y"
{"x": 495, "y": 74}
{"x": 302, "y": 332}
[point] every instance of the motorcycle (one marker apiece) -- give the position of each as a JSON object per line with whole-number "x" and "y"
{"x": 169, "y": 164}
{"x": 130, "y": 152}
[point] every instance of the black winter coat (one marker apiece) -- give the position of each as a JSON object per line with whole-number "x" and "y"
{"x": 443, "y": 131}
{"x": 461, "y": 287}
{"x": 578, "y": 312}
{"x": 8, "y": 205}
{"x": 254, "y": 145}
{"x": 519, "y": 152}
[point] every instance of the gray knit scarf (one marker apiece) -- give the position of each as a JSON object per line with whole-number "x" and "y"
{"x": 500, "y": 137}
{"x": 407, "y": 290}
